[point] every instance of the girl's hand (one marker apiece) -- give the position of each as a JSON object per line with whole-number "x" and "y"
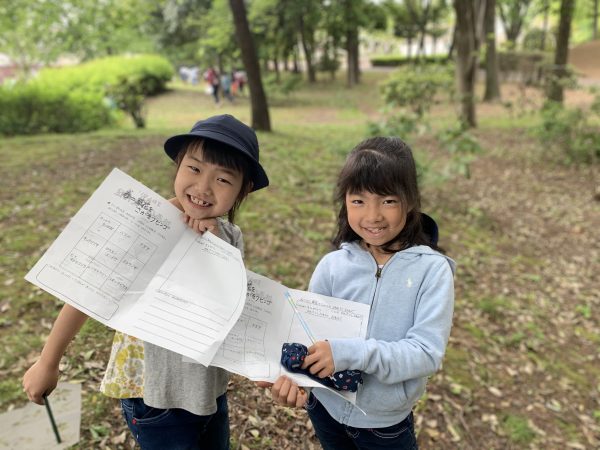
{"x": 319, "y": 360}
{"x": 40, "y": 380}
{"x": 201, "y": 226}
{"x": 287, "y": 393}
{"x": 263, "y": 384}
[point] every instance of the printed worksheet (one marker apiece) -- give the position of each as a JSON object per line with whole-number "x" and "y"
{"x": 127, "y": 260}
{"x": 253, "y": 347}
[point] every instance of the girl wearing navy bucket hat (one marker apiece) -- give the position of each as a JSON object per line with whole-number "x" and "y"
{"x": 169, "y": 403}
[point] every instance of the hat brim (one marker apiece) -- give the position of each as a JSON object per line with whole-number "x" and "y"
{"x": 175, "y": 143}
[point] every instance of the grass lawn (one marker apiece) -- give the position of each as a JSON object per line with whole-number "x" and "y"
{"x": 507, "y": 380}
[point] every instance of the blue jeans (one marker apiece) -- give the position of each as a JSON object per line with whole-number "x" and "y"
{"x": 177, "y": 429}
{"x": 335, "y": 436}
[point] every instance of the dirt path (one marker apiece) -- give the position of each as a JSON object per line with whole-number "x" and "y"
{"x": 586, "y": 59}
{"x": 527, "y": 288}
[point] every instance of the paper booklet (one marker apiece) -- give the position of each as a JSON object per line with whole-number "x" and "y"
{"x": 127, "y": 260}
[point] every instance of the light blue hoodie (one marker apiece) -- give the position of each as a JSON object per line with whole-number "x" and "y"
{"x": 412, "y": 302}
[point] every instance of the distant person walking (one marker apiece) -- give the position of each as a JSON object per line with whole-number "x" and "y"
{"x": 212, "y": 78}
{"x": 240, "y": 79}
{"x": 226, "y": 86}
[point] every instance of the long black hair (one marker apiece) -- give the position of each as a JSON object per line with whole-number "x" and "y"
{"x": 382, "y": 166}
{"x": 215, "y": 152}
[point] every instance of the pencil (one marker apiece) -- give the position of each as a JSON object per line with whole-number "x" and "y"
{"x": 300, "y": 318}
{"x": 52, "y": 421}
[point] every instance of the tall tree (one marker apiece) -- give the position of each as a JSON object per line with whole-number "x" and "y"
{"x": 595, "y": 21}
{"x": 258, "y": 99}
{"x": 307, "y": 14}
{"x": 492, "y": 85}
{"x": 352, "y": 20}
{"x": 466, "y": 58}
{"x": 403, "y": 24}
{"x": 513, "y": 14}
{"x": 561, "y": 55}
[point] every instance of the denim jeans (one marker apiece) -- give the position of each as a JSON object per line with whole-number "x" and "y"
{"x": 177, "y": 429}
{"x": 335, "y": 436}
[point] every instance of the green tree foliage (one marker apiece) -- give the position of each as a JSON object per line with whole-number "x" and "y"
{"x": 30, "y": 35}
{"x": 36, "y": 32}
{"x": 513, "y": 14}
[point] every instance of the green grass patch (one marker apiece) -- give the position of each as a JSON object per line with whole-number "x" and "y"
{"x": 518, "y": 430}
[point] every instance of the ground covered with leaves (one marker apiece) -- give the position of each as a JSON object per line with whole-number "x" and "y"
{"x": 522, "y": 368}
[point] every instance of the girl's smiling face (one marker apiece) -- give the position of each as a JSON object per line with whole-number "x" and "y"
{"x": 205, "y": 190}
{"x": 377, "y": 219}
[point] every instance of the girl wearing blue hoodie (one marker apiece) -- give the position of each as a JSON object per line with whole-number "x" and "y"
{"x": 383, "y": 259}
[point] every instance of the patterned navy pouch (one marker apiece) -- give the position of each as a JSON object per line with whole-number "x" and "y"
{"x": 292, "y": 357}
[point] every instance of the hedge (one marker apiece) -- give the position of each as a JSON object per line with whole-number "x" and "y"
{"x": 399, "y": 60}
{"x": 75, "y": 99}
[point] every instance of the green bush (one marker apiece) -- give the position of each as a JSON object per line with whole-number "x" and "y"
{"x": 533, "y": 40}
{"x": 151, "y": 71}
{"x": 571, "y": 132}
{"x": 399, "y": 60}
{"x": 286, "y": 84}
{"x": 530, "y": 65}
{"x": 83, "y": 97}
{"x": 32, "y": 108}
{"x": 416, "y": 88}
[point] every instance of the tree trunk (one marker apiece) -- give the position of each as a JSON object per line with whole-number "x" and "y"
{"x": 276, "y": 67}
{"x": 595, "y": 21}
{"x": 295, "y": 69}
{"x": 492, "y": 86}
{"x": 555, "y": 90}
{"x": 308, "y": 50}
{"x": 466, "y": 59}
{"x": 452, "y": 43}
{"x": 353, "y": 70}
{"x": 258, "y": 98}
{"x": 545, "y": 24}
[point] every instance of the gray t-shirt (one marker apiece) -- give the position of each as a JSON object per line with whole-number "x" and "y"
{"x": 169, "y": 382}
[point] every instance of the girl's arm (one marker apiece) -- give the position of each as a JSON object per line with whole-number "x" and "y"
{"x": 42, "y": 377}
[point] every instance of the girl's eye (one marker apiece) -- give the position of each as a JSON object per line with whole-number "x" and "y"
{"x": 390, "y": 201}
{"x": 194, "y": 169}
{"x": 223, "y": 180}
{"x": 356, "y": 201}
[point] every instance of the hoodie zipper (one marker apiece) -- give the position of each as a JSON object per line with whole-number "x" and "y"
{"x": 377, "y": 277}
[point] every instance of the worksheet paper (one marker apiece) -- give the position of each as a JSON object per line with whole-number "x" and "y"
{"x": 127, "y": 260}
{"x": 253, "y": 347}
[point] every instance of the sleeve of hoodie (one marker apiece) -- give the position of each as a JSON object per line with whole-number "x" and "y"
{"x": 420, "y": 353}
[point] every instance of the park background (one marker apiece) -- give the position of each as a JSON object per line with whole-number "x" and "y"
{"x": 509, "y": 169}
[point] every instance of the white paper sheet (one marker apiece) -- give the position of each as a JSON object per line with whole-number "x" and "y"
{"x": 128, "y": 261}
{"x": 253, "y": 347}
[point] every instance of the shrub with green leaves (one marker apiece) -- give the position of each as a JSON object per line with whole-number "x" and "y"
{"x": 400, "y": 60}
{"x": 571, "y": 132}
{"x": 82, "y": 98}
{"x": 463, "y": 146}
{"x": 31, "y": 108}
{"x": 416, "y": 88}
{"x": 283, "y": 86}
{"x": 152, "y": 72}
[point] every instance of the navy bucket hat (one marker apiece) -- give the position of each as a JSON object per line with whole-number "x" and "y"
{"x": 228, "y": 130}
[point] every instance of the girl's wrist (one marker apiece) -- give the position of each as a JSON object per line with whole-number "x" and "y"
{"x": 49, "y": 362}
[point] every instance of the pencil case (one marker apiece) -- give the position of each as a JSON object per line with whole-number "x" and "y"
{"x": 292, "y": 357}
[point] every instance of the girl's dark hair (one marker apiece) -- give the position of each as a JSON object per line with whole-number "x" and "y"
{"x": 216, "y": 152}
{"x": 383, "y": 166}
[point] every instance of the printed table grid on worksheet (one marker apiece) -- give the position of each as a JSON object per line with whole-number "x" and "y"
{"x": 109, "y": 256}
